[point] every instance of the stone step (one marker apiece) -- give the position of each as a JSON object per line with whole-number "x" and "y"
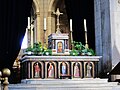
{"x": 56, "y": 88}
{"x": 72, "y": 84}
{"x": 60, "y": 87}
{"x": 64, "y": 84}
{"x": 42, "y": 81}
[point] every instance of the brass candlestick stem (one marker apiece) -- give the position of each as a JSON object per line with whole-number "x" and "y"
{"x": 44, "y": 38}
{"x": 71, "y": 39}
{"x": 86, "y": 42}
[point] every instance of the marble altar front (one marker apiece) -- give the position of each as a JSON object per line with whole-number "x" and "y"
{"x": 55, "y": 67}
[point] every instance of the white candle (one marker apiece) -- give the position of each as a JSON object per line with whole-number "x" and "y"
{"x": 44, "y": 23}
{"x": 28, "y": 22}
{"x": 71, "y": 25}
{"x": 85, "y": 27}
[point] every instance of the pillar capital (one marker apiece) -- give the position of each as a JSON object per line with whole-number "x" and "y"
{"x": 50, "y": 13}
{"x": 37, "y": 13}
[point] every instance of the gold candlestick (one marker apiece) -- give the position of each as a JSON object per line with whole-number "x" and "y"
{"x": 86, "y": 42}
{"x": 71, "y": 39}
{"x": 44, "y": 38}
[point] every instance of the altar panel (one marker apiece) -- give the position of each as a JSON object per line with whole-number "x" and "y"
{"x": 59, "y": 67}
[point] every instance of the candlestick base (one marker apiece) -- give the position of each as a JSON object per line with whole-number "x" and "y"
{"x": 58, "y": 31}
{"x": 86, "y": 46}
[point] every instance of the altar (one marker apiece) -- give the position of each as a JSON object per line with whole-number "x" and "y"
{"x": 60, "y": 64}
{"x": 55, "y": 67}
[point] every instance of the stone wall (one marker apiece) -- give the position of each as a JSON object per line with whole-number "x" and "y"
{"x": 115, "y": 30}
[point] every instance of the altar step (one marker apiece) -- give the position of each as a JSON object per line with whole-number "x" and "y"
{"x": 65, "y": 84}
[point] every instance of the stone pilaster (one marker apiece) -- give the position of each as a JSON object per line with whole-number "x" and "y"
{"x": 38, "y": 33}
{"x": 103, "y": 33}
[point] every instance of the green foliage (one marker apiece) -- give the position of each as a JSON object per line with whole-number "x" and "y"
{"x": 80, "y": 49}
{"x": 38, "y": 49}
{"x": 29, "y": 49}
{"x": 88, "y": 52}
{"x": 74, "y": 52}
{"x": 47, "y": 52}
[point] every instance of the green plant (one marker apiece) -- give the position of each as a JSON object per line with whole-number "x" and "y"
{"x": 74, "y": 52}
{"x": 29, "y": 49}
{"x": 88, "y": 52}
{"x": 37, "y": 48}
{"x": 47, "y": 52}
{"x": 80, "y": 49}
{"x": 78, "y": 45}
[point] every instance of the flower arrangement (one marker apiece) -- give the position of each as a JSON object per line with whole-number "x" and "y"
{"x": 80, "y": 49}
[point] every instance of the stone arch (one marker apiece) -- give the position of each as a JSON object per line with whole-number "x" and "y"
{"x": 50, "y": 17}
{"x": 80, "y": 69}
{"x": 35, "y": 5}
{"x": 67, "y": 64}
{"x": 52, "y": 5}
{"x": 34, "y": 32}
{"x": 92, "y": 69}
{"x": 37, "y": 70}
{"x": 54, "y": 69}
{"x": 42, "y": 67}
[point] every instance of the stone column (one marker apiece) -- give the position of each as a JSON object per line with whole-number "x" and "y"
{"x": 29, "y": 71}
{"x": 28, "y": 36}
{"x": 31, "y": 35}
{"x": 51, "y": 23}
{"x": 59, "y": 69}
{"x": 38, "y": 33}
{"x": 103, "y": 33}
{"x": 43, "y": 70}
{"x": 72, "y": 71}
{"x": 32, "y": 69}
{"x": 46, "y": 71}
